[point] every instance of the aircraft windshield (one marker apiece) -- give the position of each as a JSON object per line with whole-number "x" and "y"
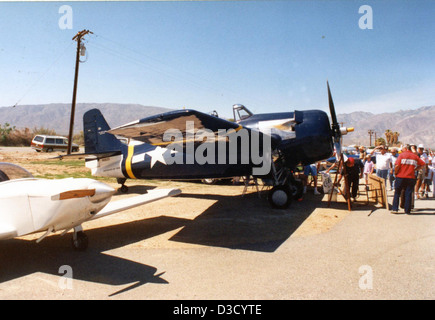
{"x": 9, "y": 171}
{"x": 240, "y": 112}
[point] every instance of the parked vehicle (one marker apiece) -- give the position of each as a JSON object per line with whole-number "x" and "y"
{"x": 52, "y": 143}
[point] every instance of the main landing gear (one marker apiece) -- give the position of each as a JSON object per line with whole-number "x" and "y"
{"x": 80, "y": 240}
{"x": 123, "y": 188}
{"x": 285, "y": 187}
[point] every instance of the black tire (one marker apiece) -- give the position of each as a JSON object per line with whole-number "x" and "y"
{"x": 297, "y": 189}
{"x": 280, "y": 197}
{"x": 80, "y": 242}
{"x": 123, "y": 189}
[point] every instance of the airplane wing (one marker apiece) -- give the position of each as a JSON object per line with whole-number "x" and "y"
{"x": 124, "y": 204}
{"x": 7, "y": 232}
{"x": 151, "y": 130}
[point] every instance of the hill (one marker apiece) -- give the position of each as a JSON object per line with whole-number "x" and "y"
{"x": 57, "y": 115}
{"x": 415, "y": 126}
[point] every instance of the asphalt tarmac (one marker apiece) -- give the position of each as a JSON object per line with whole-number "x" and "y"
{"x": 233, "y": 248}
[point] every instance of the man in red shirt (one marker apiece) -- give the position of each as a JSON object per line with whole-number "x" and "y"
{"x": 406, "y": 165}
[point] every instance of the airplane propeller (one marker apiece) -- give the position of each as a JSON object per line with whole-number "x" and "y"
{"x": 337, "y": 132}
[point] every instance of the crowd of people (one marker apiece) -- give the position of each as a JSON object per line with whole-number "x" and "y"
{"x": 409, "y": 170}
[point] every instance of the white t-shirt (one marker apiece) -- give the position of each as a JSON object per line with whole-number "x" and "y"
{"x": 425, "y": 158}
{"x": 383, "y": 161}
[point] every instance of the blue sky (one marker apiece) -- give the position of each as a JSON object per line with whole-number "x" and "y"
{"x": 208, "y": 55}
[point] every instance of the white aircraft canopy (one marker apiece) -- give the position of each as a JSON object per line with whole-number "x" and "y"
{"x": 9, "y": 171}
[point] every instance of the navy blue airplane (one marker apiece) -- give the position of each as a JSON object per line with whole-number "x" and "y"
{"x": 188, "y": 144}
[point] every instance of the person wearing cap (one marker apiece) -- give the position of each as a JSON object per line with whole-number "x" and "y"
{"x": 354, "y": 171}
{"x": 406, "y": 165}
{"x": 369, "y": 167}
{"x": 421, "y": 174}
{"x": 383, "y": 162}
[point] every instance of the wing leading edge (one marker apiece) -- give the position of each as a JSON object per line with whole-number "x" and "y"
{"x": 7, "y": 232}
{"x": 124, "y": 204}
{"x": 152, "y": 129}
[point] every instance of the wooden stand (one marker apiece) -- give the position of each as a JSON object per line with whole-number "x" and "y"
{"x": 377, "y": 190}
{"x": 346, "y": 191}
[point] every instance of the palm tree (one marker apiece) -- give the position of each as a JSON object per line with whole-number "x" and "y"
{"x": 396, "y": 137}
{"x": 389, "y": 136}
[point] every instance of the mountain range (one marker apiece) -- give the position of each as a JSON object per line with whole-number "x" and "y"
{"x": 414, "y": 126}
{"x": 57, "y": 116}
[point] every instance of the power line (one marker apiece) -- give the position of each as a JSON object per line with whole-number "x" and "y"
{"x": 184, "y": 76}
{"x": 42, "y": 75}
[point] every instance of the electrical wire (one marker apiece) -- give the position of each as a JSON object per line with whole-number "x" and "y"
{"x": 136, "y": 57}
{"x": 43, "y": 74}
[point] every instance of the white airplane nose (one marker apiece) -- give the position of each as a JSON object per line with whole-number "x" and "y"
{"x": 102, "y": 191}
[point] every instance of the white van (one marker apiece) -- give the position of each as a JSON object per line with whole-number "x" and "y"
{"x": 52, "y": 143}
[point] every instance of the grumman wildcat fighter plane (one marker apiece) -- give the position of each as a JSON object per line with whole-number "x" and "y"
{"x": 187, "y": 144}
{"x": 30, "y": 205}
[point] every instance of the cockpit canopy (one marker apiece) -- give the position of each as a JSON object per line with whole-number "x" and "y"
{"x": 9, "y": 171}
{"x": 240, "y": 112}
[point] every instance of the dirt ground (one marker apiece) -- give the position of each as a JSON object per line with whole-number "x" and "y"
{"x": 201, "y": 203}
{"x": 212, "y": 243}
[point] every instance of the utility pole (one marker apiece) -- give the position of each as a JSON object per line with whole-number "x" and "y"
{"x": 78, "y": 37}
{"x": 371, "y": 132}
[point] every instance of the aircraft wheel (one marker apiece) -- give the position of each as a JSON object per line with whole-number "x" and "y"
{"x": 280, "y": 197}
{"x": 209, "y": 181}
{"x": 123, "y": 189}
{"x": 297, "y": 189}
{"x": 80, "y": 241}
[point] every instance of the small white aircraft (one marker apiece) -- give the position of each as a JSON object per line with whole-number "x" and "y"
{"x": 30, "y": 205}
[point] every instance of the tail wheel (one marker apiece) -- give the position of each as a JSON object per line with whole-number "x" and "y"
{"x": 280, "y": 197}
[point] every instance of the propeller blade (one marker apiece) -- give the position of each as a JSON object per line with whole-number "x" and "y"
{"x": 336, "y": 132}
{"x": 335, "y": 125}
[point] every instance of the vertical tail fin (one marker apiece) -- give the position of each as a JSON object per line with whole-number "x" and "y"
{"x": 95, "y": 128}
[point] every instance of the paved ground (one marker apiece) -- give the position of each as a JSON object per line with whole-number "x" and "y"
{"x": 211, "y": 243}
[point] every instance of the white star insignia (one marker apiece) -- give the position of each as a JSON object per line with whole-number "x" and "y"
{"x": 157, "y": 155}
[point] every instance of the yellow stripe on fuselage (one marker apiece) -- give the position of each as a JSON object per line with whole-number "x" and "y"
{"x": 128, "y": 162}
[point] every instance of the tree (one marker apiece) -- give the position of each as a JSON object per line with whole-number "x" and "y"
{"x": 389, "y": 136}
{"x": 5, "y": 130}
{"x": 380, "y": 142}
{"x": 396, "y": 137}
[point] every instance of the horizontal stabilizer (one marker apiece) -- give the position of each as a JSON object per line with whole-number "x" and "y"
{"x": 89, "y": 156}
{"x": 124, "y": 204}
{"x": 7, "y": 232}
